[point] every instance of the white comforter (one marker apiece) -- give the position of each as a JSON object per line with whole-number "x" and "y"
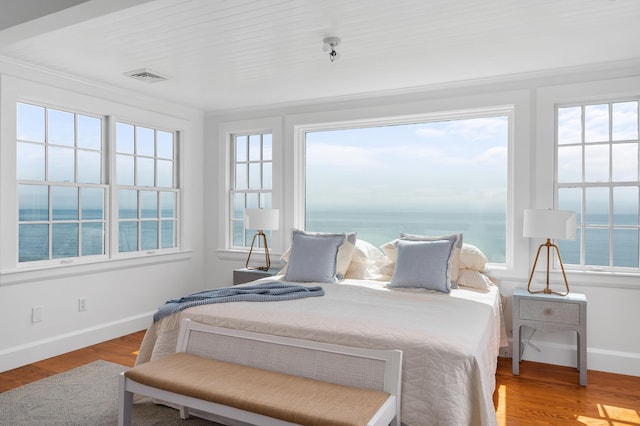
{"x": 450, "y": 342}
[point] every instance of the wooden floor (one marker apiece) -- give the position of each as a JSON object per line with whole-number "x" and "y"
{"x": 542, "y": 394}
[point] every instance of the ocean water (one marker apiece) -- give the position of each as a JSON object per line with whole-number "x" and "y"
{"x": 68, "y": 241}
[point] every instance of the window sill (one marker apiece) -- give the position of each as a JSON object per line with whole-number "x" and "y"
{"x": 62, "y": 270}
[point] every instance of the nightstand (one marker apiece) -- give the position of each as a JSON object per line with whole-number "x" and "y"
{"x": 244, "y": 275}
{"x": 550, "y": 312}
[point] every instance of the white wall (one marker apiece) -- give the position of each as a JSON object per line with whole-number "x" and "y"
{"x": 613, "y": 316}
{"x": 121, "y": 295}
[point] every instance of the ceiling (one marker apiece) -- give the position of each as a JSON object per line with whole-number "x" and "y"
{"x": 222, "y": 55}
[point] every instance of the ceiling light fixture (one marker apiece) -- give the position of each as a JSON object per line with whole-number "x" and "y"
{"x": 330, "y": 44}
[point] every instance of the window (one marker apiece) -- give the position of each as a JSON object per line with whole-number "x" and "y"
{"x": 147, "y": 190}
{"x": 433, "y": 176}
{"x": 61, "y": 196}
{"x": 64, "y": 196}
{"x": 598, "y": 178}
{"x": 251, "y": 182}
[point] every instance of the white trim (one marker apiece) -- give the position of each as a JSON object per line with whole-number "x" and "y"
{"x": 18, "y": 356}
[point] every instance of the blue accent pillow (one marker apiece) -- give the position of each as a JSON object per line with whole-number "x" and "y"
{"x": 313, "y": 257}
{"x": 423, "y": 264}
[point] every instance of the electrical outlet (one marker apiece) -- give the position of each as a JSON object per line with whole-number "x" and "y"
{"x": 36, "y": 313}
{"x": 82, "y": 305}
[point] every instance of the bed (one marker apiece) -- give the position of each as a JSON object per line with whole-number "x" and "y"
{"x": 450, "y": 340}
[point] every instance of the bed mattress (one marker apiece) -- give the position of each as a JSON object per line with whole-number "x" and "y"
{"x": 450, "y": 341}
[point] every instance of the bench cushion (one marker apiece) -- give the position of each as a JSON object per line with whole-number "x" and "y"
{"x": 291, "y": 398}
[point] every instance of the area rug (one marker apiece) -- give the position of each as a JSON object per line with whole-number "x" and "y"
{"x": 84, "y": 396}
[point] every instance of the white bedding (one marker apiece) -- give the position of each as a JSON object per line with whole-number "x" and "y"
{"x": 450, "y": 342}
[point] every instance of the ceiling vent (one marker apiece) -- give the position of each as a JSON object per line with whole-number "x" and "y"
{"x": 146, "y": 75}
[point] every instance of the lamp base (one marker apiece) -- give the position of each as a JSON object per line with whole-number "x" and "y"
{"x": 548, "y": 290}
{"x": 266, "y": 253}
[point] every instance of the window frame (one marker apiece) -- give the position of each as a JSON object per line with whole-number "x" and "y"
{"x": 14, "y": 90}
{"x": 274, "y": 126}
{"x": 583, "y": 184}
{"x": 511, "y": 262}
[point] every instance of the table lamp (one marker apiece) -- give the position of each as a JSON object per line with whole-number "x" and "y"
{"x": 549, "y": 224}
{"x": 262, "y": 220}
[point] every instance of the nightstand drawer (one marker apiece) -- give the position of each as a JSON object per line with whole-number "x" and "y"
{"x": 549, "y": 311}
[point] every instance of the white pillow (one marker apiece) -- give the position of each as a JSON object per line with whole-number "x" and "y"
{"x": 366, "y": 262}
{"x": 471, "y": 257}
{"x": 474, "y": 279}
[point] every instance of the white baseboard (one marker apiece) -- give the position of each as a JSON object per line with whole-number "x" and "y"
{"x": 597, "y": 359}
{"x": 18, "y": 356}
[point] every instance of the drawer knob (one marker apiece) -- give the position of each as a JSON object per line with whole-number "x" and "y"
{"x": 548, "y": 311}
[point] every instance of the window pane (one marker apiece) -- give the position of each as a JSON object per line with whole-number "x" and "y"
{"x": 625, "y": 121}
{"x": 124, "y": 138}
{"x": 254, "y": 148}
{"x": 92, "y": 203}
{"x": 571, "y": 199}
{"x": 33, "y": 243}
{"x": 596, "y": 245}
{"x": 61, "y": 128}
{"x": 167, "y": 205}
{"x": 92, "y": 239}
{"x": 64, "y": 237}
{"x": 89, "y": 166}
{"x": 165, "y": 173}
{"x": 61, "y": 164}
{"x": 145, "y": 144}
{"x": 149, "y": 235}
{"x": 353, "y": 177}
{"x": 167, "y": 236}
{"x": 625, "y": 206}
{"x": 570, "y": 164}
{"x": 89, "y": 132}
{"x": 241, "y": 148}
{"x": 266, "y": 147}
{"x": 33, "y": 202}
{"x": 254, "y": 176}
{"x": 265, "y": 200}
{"x": 570, "y": 250}
{"x": 148, "y": 204}
{"x": 597, "y": 206}
{"x": 64, "y": 202}
{"x": 30, "y": 123}
{"x": 127, "y": 204}
{"x": 569, "y": 125}
{"x": 238, "y": 206}
{"x": 145, "y": 171}
{"x": 124, "y": 169}
{"x": 596, "y": 163}
{"x": 30, "y": 164}
{"x": 625, "y": 162}
{"x": 165, "y": 144}
{"x": 128, "y": 236}
{"x": 252, "y": 201}
{"x": 241, "y": 176}
{"x": 238, "y": 233}
{"x": 596, "y": 123}
{"x": 625, "y": 248}
{"x": 266, "y": 175}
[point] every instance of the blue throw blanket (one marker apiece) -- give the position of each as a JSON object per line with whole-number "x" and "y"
{"x": 266, "y": 292}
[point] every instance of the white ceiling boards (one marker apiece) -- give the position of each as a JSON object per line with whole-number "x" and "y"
{"x": 221, "y": 54}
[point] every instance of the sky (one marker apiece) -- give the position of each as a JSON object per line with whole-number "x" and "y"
{"x": 428, "y": 166}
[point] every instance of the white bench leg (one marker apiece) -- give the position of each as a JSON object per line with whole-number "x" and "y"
{"x": 184, "y": 412}
{"x": 125, "y": 402}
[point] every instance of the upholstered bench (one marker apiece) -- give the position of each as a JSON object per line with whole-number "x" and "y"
{"x": 293, "y": 381}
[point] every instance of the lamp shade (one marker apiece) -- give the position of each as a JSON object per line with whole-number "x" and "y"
{"x": 262, "y": 219}
{"x": 552, "y": 224}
